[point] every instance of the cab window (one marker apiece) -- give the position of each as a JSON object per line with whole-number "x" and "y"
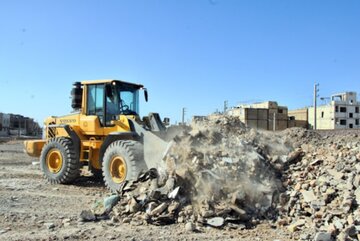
{"x": 95, "y": 101}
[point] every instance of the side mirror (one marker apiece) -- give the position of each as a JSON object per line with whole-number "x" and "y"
{"x": 146, "y": 95}
{"x": 166, "y": 121}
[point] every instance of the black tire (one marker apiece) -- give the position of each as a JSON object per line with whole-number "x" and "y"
{"x": 131, "y": 152}
{"x": 69, "y": 169}
{"x": 97, "y": 174}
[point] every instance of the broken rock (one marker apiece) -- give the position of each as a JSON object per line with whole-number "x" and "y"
{"x": 133, "y": 205}
{"x": 174, "y": 193}
{"x": 158, "y": 210}
{"x": 87, "y": 216}
{"x": 49, "y": 225}
{"x": 296, "y": 225}
{"x": 309, "y": 196}
{"x": 337, "y": 175}
{"x": 189, "y": 227}
{"x": 217, "y": 222}
{"x": 322, "y": 236}
{"x": 110, "y": 202}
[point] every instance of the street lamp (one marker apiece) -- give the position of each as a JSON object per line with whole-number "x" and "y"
{"x": 325, "y": 98}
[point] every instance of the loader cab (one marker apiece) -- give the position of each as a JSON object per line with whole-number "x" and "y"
{"x": 109, "y": 99}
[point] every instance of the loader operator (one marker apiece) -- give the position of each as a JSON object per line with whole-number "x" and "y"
{"x": 115, "y": 105}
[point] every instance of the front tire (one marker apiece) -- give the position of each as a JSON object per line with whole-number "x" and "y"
{"x": 59, "y": 161}
{"x": 123, "y": 160}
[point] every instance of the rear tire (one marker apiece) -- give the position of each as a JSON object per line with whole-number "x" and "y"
{"x": 123, "y": 160}
{"x": 97, "y": 174}
{"x": 59, "y": 162}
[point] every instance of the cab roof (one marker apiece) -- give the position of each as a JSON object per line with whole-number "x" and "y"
{"x": 89, "y": 82}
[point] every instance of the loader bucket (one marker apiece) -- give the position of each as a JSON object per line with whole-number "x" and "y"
{"x": 155, "y": 148}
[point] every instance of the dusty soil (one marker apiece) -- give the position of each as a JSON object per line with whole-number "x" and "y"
{"x": 31, "y": 209}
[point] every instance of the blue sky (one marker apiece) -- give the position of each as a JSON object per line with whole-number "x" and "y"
{"x": 188, "y": 53}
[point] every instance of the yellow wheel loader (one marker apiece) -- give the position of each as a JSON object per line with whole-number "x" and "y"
{"x": 104, "y": 132}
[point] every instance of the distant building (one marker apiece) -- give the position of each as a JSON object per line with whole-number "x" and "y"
{"x": 341, "y": 113}
{"x": 199, "y": 118}
{"x": 266, "y": 115}
{"x": 12, "y": 124}
{"x": 4, "y": 124}
{"x": 298, "y": 118}
{"x": 15, "y": 124}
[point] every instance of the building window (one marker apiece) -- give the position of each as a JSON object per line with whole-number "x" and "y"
{"x": 357, "y": 122}
{"x": 351, "y": 126}
{"x": 336, "y": 108}
{"x": 356, "y": 109}
{"x": 280, "y": 111}
{"x": 342, "y": 109}
{"x": 343, "y": 122}
{"x": 351, "y": 115}
{"x": 322, "y": 114}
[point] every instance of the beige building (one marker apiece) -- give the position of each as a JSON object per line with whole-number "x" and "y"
{"x": 266, "y": 115}
{"x": 342, "y": 112}
{"x": 298, "y": 118}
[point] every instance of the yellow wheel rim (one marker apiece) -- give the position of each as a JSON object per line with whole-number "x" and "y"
{"x": 54, "y": 161}
{"x": 118, "y": 169}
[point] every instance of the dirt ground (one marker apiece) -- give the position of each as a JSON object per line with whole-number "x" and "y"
{"x": 31, "y": 209}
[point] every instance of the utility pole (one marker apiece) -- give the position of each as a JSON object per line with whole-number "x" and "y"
{"x": 225, "y": 106}
{"x": 183, "y": 116}
{"x": 316, "y": 91}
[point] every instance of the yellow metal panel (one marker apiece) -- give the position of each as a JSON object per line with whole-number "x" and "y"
{"x": 94, "y": 144}
{"x": 104, "y": 81}
{"x": 94, "y": 159}
{"x": 84, "y": 101}
{"x": 121, "y": 125}
{"x": 90, "y": 125}
{"x": 71, "y": 120}
{"x": 61, "y": 132}
{"x": 92, "y": 82}
{"x": 34, "y": 147}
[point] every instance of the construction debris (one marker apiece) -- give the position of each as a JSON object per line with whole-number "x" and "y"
{"x": 323, "y": 188}
{"x": 219, "y": 173}
{"x": 222, "y": 174}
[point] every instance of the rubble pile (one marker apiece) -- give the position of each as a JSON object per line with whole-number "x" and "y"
{"x": 219, "y": 173}
{"x": 323, "y": 187}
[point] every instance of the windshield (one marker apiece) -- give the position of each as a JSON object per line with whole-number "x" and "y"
{"x": 122, "y": 99}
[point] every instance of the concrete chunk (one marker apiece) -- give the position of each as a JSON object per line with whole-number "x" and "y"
{"x": 174, "y": 193}
{"x": 216, "y": 222}
{"x": 159, "y": 209}
{"x": 110, "y": 202}
{"x": 322, "y": 236}
{"x": 337, "y": 175}
{"x": 87, "y": 216}
{"x": 189, "y": 227}
{"x": 309, "y": 196}
{"x": 295, "y": 226}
